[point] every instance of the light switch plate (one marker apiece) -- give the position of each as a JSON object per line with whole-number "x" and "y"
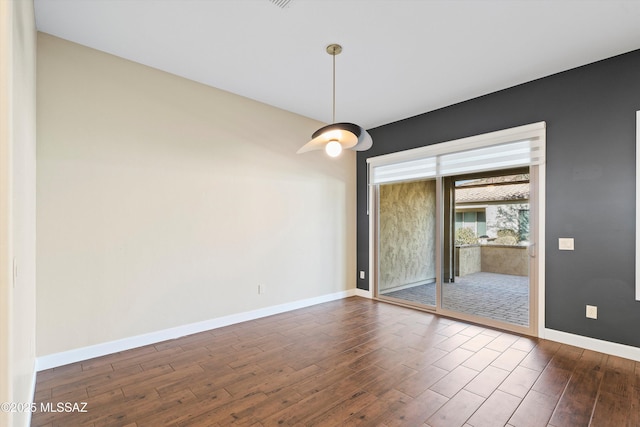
{"x": 565, "y": 243}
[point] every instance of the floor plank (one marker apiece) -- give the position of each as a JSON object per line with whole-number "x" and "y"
{"x": 534, "y": 411}
{"x": 495, "y": 411}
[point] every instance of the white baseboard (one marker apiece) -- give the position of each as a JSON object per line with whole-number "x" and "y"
{"x": 23, "y": 418}
{"x": 607, "y": 347}
{"x": 364, "y": 294}
{"x": 32, "y": 391}
{"x": 85, "y": 353}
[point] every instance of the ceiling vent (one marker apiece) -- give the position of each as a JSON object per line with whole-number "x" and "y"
{"x": 281, "y": 3}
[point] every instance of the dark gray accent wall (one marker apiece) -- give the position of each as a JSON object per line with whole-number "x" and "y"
{"x": 590, "y": 184}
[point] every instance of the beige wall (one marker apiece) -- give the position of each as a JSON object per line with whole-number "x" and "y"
{"x": 163, "y": 202}
{"x": 407, "y": 233}
{"x": 468, "y": 260}
{"x": 17, "y": 206}
{"x": 505, "y": 259}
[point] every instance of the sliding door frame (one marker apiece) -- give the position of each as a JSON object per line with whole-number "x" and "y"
{"x": 532, "y": 328}
{"x": 374, "y": 231}
{"x": 537, "y": 207}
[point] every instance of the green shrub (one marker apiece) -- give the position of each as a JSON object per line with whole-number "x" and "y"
{"x": 504, "y": 232}
{"x": 465, "y": 236}
{"x": 507, "y": 236}
{"x": 506, "y": 240}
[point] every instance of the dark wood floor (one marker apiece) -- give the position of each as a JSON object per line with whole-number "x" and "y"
{"x": 347, "y": 362}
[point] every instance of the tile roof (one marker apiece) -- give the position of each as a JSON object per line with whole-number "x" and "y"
{"x": 493, "y": 193}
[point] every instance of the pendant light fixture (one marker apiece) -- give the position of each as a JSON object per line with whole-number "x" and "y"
{"x": 338, "y": 136}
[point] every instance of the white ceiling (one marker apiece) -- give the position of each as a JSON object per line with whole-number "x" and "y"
{"x": 400, "y": 57}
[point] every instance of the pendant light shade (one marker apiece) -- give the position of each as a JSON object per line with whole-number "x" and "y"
{"x": 348, "y": 135}
{"x": 335, "y": 137}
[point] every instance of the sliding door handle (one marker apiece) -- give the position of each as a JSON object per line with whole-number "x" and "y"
{"x": 531, "y": 250}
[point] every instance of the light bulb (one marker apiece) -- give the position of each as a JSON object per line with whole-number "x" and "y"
{"x": 333, "y": 148}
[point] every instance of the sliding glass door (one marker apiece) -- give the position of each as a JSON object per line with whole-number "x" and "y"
{"x": 454, "y": 227}
{"x": 407, "y": 242}
{"x": 490, "y": 256}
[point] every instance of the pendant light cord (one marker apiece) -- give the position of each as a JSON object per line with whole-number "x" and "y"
{"x": 334, "y": 85}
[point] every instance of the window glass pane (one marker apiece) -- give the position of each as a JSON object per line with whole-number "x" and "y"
{"x": 482, "y": 223}
{"x": 523, "y": 225}
{"x": 407, "y": 242}
{"x": 469, "y": 219}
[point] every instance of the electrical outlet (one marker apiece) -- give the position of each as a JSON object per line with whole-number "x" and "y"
{"x": 592, "y": 311}
{"x": 362, "y": 274}
{"x": 261, "y": 289}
